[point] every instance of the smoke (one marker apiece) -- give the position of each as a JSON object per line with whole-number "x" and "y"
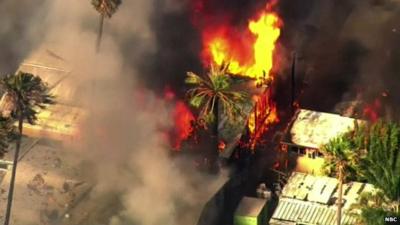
{"x": 123, "y": 147}
{"x": 17, "y": 37}
{"x": 344, "y": 48}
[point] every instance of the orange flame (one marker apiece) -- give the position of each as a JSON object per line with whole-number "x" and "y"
{"x": 265, "y": 113}
{"x": 250, "y": 53}
{"x": 182, "y": 117}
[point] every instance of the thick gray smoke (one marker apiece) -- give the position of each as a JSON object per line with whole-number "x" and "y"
{"x": 123, "y": 149}
{"x": 343, "y": 46}
{"x": 17, "y": 36}
{"x": 346, "y": 49}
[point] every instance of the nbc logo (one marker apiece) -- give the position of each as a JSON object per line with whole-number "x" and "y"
{"x": 392, "y": 220}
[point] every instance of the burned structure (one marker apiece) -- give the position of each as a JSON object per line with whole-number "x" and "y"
{"x": 307, "y": 132}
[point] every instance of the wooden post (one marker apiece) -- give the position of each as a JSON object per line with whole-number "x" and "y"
{"x": 293, "y": 83}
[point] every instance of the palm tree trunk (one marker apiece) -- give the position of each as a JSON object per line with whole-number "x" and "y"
{"x": 14, "y": 172}
{"x": 340, "y": 195}
{"x": 215, "y": 151}
{"x": 100, "y": 33}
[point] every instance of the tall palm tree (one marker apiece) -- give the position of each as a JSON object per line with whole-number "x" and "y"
{"x": 338, "y": 151}
{"x": 211, "y": 93}
{"x": 28, "y": 94}
{"x": 105, "y": 8}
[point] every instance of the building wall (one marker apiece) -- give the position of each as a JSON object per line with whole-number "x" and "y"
{"x": 305, "y": 160}
{"x": 309, "y": 165}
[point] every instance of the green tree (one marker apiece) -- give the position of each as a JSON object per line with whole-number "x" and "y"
{"x": 375, "y": 158}
{"x": 381, "y": 165}
{"x": 211, "y": 93}
{"x": 28, "y": 94}
{"x": 106, "y": 9}
{"x": 356, "y": 141}
{"x": 338, "y": 151}
{"x": 373, "y": 208}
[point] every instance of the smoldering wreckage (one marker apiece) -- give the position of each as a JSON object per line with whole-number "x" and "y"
{"x": 122, "y": 145}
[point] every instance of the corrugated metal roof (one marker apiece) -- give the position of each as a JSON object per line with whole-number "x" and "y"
{"x": 311, "y": 199}
{"x": 298, "y": 211}
{"x": 313, "y": 129}
{"x": 321, "y": 189}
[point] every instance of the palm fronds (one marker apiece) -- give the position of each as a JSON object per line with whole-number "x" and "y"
{"x": 28, "y": 92}
{"x": 338, "y": 151}
{"x": 212, "y": 89}
{"x": 381, "y": 165}
{"x": 106, "y": 7}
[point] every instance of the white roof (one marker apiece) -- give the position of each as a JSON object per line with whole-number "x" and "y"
{"x": 314, "y": 129}
{"x": 296, "y": 211}
{"x": 322, "y": 189}
{"x": 311, "y": 199}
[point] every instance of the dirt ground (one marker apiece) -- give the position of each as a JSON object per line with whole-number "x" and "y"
{"x": 46, "y": 185}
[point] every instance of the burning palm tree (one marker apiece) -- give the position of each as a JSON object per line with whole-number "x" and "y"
{"x": 106, "y": 8}
{"x": 212, "y": 93}
{"x": 28, "y": 93}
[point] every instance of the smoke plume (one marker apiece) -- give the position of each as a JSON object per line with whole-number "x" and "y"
{"x": 122, "y": 148}
{"x": 343, "y": 47}
{"x": 346, "y": 49}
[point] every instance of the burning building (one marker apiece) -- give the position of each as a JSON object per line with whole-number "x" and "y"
{"x": 307, "y": 132}
{"x": 250, "y": 53}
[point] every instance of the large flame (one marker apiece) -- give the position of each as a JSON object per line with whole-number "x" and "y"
{"x": 249, "y": 52}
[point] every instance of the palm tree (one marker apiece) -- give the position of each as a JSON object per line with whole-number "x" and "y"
{"x": 28, "y": 94}
{"x": 338, "y": 151}
{"x": 212, "y": 93}
{"x": 106, "y": 8}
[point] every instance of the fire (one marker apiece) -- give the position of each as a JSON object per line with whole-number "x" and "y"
{"x": 264, "y": 114}
{"x": 371, "y": 111}
{"x": 249, "y": 52}
{"x": 182, "y": 118}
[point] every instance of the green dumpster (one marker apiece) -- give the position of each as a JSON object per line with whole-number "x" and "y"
{"x": 251, "y": 211}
